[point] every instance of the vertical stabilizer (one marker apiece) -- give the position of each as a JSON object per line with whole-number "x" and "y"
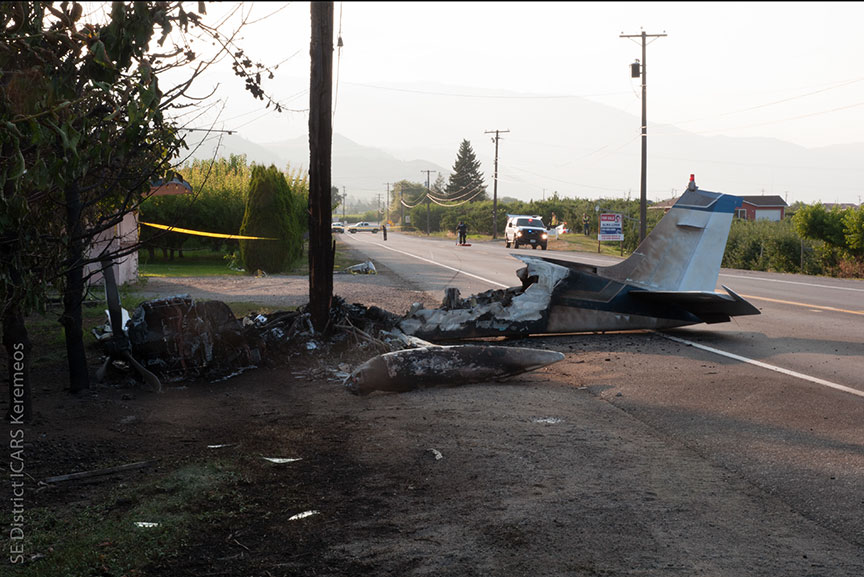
{"x": 684, "y": 251}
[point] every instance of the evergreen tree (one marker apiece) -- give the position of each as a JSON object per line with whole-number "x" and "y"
{"x": 466, "y": 181}
{"x": 272, "y": 212}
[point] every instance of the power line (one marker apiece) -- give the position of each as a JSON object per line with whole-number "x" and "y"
{"x": 490, "y": 96}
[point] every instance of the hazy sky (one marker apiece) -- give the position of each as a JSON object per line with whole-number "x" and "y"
{"x": 792, "y": 70}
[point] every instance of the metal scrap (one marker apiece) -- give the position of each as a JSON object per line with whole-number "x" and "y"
{"x": 179, "y": 338}
{"x": 362, "y": 268}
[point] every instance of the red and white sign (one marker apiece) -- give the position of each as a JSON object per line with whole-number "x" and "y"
{"x": 610, "y": 227}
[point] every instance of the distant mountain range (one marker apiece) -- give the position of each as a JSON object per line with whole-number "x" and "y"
{"x": 364, "y": 171}
{"x": 572, "y": 146}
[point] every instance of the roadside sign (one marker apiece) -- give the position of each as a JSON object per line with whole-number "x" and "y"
{"x": 610, "y": 227}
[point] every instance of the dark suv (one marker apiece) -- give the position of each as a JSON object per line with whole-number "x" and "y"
{"x": 525, "y": 230}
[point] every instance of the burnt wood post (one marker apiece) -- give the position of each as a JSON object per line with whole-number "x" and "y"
{"x": 321, "y": 245}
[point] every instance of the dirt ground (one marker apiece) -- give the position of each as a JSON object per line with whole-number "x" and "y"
{"x": 539, "y": 475}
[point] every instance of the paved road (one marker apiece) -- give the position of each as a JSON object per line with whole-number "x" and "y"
{"x": 810, "y": 326}
{"x": 775, "y": 399}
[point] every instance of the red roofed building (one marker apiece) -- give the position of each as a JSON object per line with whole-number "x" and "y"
{"x": 765, "y": 207}
{"x": 124, "y": 236}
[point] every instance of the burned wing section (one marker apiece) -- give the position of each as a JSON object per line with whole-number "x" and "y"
{"x": 516, "y": 311}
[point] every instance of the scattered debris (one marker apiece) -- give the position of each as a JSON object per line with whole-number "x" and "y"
{"x": 222, "y": 446}
{"x": 513, "y": 311}
{"x": 146, "y": 524}
{"x": 437, "y": 453}
{"x": 447, "y": 366}
{"x": 280, "y": 460}
{"x": 105, "y": 332}
{"x": 179, "y": 338}
{"x": 302, "y": 515}
{"x": 548, "y": 420}
{"x": 362, "y": 268}
{"x": 117, "y": 345}
{"x": 239, "y": 371}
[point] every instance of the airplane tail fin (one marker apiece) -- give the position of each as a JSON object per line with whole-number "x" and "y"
{"x": 684, "y": 251}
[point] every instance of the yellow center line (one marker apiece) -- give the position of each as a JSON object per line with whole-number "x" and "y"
{"x": 806, "y": 305}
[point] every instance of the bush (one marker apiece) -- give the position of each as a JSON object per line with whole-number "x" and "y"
{"x": 768, "y": 246}
{"x": 273, "y": 210}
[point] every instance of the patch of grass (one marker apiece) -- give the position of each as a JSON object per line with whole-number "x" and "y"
{"x": 103, "y": 539}
{"x": 199, "y": 263}
{"x": 582, "y": 243}
{"x": 568, "y": 242}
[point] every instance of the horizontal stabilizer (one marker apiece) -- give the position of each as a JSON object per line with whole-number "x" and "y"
{"x": 709, "y": 307}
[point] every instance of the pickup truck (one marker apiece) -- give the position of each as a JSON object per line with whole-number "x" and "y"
{"x": 363, "y": 227}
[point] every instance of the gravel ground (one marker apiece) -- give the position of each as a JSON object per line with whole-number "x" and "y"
{"x": 548, "y": 473}
{"x": 383, "y": 290}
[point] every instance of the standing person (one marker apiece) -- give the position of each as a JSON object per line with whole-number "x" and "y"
{"x": 384, "y": 230}
{"x": 586, "y": 224}
{"x": 553, "y": 222}
{"x": 462, "y": 229}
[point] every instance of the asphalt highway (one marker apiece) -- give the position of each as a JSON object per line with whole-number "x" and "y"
{"x": 776, "y": 399}
{"x": 812, "y": 327}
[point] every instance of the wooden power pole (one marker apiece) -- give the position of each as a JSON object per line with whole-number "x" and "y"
{"x": 321, "y": 245}
{"x": 428, "y": 203}
{"x": 643, "y": 206}
{"x": 495, "y": 184}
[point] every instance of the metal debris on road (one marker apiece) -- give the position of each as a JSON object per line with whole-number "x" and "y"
{"x": 447, "y": 366}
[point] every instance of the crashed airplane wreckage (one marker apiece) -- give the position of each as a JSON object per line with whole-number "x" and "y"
{"x": 433, "y": 366}
{"x": 667, "y": 282}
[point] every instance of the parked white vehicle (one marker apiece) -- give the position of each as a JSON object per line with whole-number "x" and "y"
{"x": 363, "y": 227}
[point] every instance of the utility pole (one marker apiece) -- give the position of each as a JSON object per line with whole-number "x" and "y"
{"x": 322, "y": 247}
{"x": 428, "y": 202}
{"x": 379, "y": 209}
{"x": 634, "y": 73}
{"x": 495, "y": 184}
{"x": 344, "y": 201}
{"x": 402, "y": 207}
{"x": 387, "y": 205}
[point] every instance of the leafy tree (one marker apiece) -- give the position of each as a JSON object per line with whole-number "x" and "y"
{"x": 853, "y": 224}
{"x": 274, "y": 209}
{"x": 817, "y": 223}
{"x": 336, "y": 198}
{"x": 763, "y": 245}
{"x": 216, "y": 205}
{"x": 84, "y": 131}
{"x": 466, "y": 182}
{"x": 433, "y": 214}
{"x": 405, "y": 196}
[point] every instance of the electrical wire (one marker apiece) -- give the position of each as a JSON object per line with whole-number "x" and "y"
{"x": 489, "y": 96}
{"x": 478, "y": 188}
{"x": 775, "y": 102}
{"x": 420, "y": 200}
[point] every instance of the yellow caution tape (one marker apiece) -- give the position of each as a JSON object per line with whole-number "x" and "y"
{"x": 200, "y": 233}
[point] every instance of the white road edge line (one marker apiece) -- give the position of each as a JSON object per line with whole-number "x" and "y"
{"x": 492, "y": 282}
{"x": 802, "y": 376}
{"x": 839, "y": 288}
